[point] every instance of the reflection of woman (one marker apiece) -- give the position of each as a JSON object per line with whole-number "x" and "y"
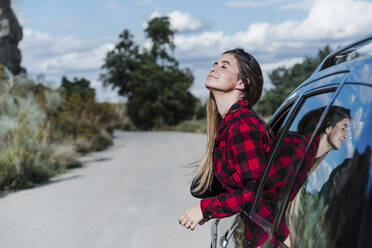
{"x": 332, "y": 133}
{"x": 238, "y": 144}
{"x": 330, "y": 136}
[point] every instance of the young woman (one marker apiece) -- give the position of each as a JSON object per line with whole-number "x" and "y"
{"x": 238, "y": 144}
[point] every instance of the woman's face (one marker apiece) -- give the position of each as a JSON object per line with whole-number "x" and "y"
{"x": 337, "y": 134}
{"x": 224, "y": 75}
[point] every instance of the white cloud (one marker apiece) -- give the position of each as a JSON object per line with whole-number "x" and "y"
{"x": 78, "y": 61}
{"x": 298, "y": 5}
{"x": 326, "y": 23}
{"x": 42, "y": 44}
{"x": 42, "y": 53}
{"x": 282, "y": 44}
{"x": 65, "y": 56}
{"x": 180, "y": 21}
{"x": 281, "y": 4}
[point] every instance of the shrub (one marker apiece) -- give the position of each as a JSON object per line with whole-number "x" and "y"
{"x": 26, "y": 154}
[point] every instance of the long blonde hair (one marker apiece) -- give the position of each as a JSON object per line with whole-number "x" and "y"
{"x": 204, "y": 170}
{"x": 251, "y": 74}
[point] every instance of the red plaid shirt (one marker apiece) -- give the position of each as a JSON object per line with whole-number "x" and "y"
{"x": 238, "y": 165}
{"x": 282, "y": 172}
{"x": 283, "y": 169}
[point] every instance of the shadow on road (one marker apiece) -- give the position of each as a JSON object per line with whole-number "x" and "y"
{"x": 85, "y": 162}
{"x": 50, "y": 182}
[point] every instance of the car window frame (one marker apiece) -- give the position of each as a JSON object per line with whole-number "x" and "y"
{"x": 290, "y": 109}
{"x": 284, "y": 205}
{"x": 361, "y": 229}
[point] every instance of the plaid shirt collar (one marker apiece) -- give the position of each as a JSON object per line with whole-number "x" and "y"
{"x": 238, "y": 105}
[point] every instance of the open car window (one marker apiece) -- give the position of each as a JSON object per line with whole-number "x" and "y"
{"x": 291, "y": 151}
{"x": 327, "y": 207}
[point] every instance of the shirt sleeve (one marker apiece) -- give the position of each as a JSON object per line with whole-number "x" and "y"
{"x": 282, "y": 171}
{"x": 246, "y": 148}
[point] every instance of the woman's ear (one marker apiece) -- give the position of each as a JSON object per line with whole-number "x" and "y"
{"x": 240, "y": 85}
{"x": 328, "y": 130}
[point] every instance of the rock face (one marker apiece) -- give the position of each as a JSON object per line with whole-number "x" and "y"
{"x": 10, "y": 35}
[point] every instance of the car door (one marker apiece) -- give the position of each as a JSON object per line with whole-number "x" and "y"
{"x": 323, "y": 204}
{"x": 285, "y": 126}
{"x": 329, "y": 207}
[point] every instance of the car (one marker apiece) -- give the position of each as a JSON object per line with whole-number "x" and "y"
{"x": 322, "y": 147}
{"x": 327, "y": 201}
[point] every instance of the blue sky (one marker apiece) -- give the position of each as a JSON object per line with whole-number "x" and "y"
{"x": 71, "y": 38}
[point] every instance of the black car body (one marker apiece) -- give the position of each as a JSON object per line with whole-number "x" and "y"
{"x": 333, "y": 208}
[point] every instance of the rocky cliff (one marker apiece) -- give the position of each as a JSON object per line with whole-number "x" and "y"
{"x": 10, "y": 35}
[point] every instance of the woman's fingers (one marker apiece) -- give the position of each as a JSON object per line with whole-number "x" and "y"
{"x": 181, "y": 218}
{"x": 184, "y": 221}
{"x": 188, "y": 223}
{"x": 193, "y": 225}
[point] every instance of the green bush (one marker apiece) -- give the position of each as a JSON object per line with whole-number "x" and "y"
{"x": 24, "y": 154}
{"x": 121, "y": 120}
{"x": 91, "y": 138}
{"x": 39, "y": 132}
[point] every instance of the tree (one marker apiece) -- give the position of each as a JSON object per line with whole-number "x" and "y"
{"x": 286, "y": 80}
{"x": 120, "y": 63}
{"x": 79, "y": 86}
{"x": 162, "y": 38}
{"x": 156, "y": 88}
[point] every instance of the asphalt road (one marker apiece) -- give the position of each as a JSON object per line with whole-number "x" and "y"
{"x": 130, "y": 195}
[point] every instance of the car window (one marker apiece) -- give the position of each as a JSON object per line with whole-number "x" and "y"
{"x": 288, "y": 156}
{"x": 362, "y": 50}
{"x": 326, "y": 210}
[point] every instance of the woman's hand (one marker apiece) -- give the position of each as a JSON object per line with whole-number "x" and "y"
{"x": 191, "y": 217}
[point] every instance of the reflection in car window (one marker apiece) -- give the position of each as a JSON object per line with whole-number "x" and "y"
{"x": 290, "y": 153}
{"x": 362, "y": 50}
{"x": 325, "y": 211}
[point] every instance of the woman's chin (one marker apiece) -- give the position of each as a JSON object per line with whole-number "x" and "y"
{"x": 212, "y": 86}
{"x": 208, "y": 84}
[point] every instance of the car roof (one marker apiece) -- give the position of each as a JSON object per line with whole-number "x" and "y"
{"x": 358, "y": 69}
{"x": 332, "y": 65}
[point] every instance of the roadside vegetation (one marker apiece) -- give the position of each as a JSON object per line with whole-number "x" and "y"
{"x": 44, "y": 131}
